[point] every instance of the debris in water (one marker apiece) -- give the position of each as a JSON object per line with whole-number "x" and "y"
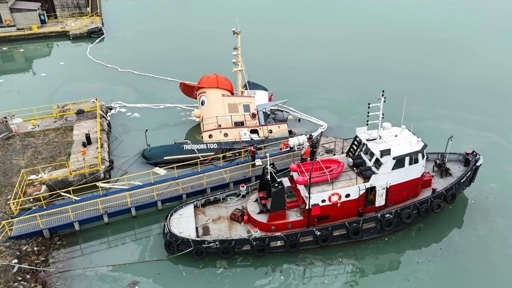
{"x": 133, "y": 284}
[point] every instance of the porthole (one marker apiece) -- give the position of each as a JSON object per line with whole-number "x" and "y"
{"x": 347, "y": 195}
{"x": 270, "y": 131}
{"x": 210, "y": 136}
{"x": 226, "y": 135}
{"x": 323, "y": 201}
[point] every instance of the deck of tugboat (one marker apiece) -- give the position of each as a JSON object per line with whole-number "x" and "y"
{"x": 213, "y": 221}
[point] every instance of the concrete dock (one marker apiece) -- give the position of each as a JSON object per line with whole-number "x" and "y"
{"x": 70, "y": 25}
{"x": 80, "y": 126}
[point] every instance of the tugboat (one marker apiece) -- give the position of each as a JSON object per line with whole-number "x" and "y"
{"x": 229, "y": 120}
{"x": 388, "y": 181}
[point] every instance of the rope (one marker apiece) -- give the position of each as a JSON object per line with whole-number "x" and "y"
{"x": 56, "y": 271}
{"x": 116, "y": 105}
{"x": 125, "y": 70}
{"x": 295, "y": 112}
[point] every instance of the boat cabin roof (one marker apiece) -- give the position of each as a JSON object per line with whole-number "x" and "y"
{"x": 388, "y": 140}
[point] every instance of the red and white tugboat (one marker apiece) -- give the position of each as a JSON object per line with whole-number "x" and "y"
{"x": 384, "y": 182}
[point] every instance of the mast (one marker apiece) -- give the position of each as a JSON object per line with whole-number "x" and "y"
{"x": 239, "y": 69}
{"x": 382, "y": 100}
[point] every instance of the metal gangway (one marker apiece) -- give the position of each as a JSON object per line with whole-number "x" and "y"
{"x": 74, "y": 214}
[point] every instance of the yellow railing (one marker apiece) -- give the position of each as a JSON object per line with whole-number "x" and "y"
{"x": 66, "y": 169}
{"x": 137, "y": 197}
{"x": 20, "y": 201}
{"x": 47, "y": 111}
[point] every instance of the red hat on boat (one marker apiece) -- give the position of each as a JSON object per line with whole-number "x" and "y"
{"x": 207, "y": 81}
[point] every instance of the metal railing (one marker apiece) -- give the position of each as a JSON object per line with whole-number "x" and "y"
{"x": 65, "y": 169}
{"x": 152, "y": 193}
{"x": 21, "y": 201}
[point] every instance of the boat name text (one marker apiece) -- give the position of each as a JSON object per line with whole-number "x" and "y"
{"x": 199, "y": 146}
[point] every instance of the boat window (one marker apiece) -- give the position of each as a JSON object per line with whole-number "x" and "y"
{"x": 377, "y": 163}
{"x": 399, "y": 163}
{"x": 414, "y": 159}
{"x": 368, "y": 153}
{"x": 247, "y": 108}
{"x": 385, "y": 152}
{"x": 365, "y": 149}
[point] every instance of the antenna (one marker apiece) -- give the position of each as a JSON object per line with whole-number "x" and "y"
{"x": 382, "y": 99}
{"x": 447, "y": 148}
{"x": 403, "y": 112}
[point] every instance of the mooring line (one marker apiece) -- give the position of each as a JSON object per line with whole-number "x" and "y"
{"x": 125, "y": 70}
{"x": 57, "y": 271}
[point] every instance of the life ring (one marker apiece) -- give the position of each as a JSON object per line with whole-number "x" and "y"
{"x": 225, "y": 251}
{"x": 260, "y": 249}
{"x": 335, "y": 194}
{"x": 324, "y": 238}
{"x": 253, "y": 115}
{"x": 355, "y": 232}
{"x": 437, "y": 205}
{"x": 425, "y": 210}
{"x": 292, "y": 244}
{"x": 199, "y": 252}
{"x": 7, "y": 21}
{"x": 450, "y": 197}
{"x": 387, "y": 223}
{"x": 170, "y": 246}
{"x": 406, "y": 216}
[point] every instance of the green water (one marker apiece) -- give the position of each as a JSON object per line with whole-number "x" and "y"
{"x": 451, "y": 60}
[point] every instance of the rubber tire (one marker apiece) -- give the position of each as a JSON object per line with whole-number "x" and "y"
{"x": 292, "y": 244}
{"x": 437, "y": 205}
{"x": 170, "y": 246}
{"x": 425, "y": 210}
{"x": 260, "y": 249}
{"x": 406, "y": 216}
{"x": 388, "y": 223}
{"x": 355, "y": 232}
{"x": 450, "y": 197}
{"x": 225, "y": 251}
{"x": 324, "y": 238}
{"x": 199, "y": 252}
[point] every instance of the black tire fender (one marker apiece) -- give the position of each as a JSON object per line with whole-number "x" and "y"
{"x": 450, "y": 197}
{"x": 170, "y": 246}
{"x": 355, "y": 231}
{"x": 425, "y": 210}
{"x": 406, "y": 216}
{"x": 199, "y": 252}
{"x": 437, "y": 205}
{"x": 292, "y": 244}
{"x": 388, "y": 223}
{"x": 225, "y": 251}
{"x": 324, "y": 238}
{"x": 260, "y": 249}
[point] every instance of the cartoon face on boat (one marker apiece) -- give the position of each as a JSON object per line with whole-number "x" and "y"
{"x": 208, "y": 92}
